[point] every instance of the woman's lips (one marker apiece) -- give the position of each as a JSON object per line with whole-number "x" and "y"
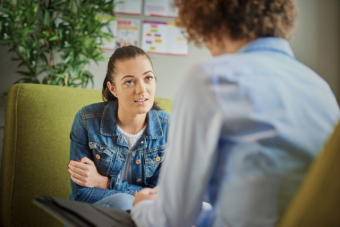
{"x": 141, "y": 101}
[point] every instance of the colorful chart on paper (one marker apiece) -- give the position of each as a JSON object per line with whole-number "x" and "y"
{"x": 163, "y": 38}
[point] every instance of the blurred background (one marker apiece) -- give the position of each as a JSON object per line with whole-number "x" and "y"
{"x": 316, "y": 43}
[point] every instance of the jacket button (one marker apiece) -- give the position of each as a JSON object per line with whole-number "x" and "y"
{"x": 139, "y": 180}
{"x": 138, "y": 161}
{"x": 97, "y": 156}
{"x": 158, "y": 159}
{"x": 142, "y": 142}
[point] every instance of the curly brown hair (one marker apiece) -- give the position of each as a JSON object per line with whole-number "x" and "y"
{"x": 240, "y": 19}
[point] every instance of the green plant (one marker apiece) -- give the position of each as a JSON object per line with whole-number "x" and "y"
{"x": 37, "y": 31}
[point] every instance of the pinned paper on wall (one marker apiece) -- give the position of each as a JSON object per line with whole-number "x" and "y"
{"x": 161, "y": 8}
{"x": 163, "y": 38}
{"x": 127, "y": 32}
{"x": 131, "y": 7}
{"x": 109, "y": 44}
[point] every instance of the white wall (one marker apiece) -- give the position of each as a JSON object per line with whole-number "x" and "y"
{"x": 316, "y": 43}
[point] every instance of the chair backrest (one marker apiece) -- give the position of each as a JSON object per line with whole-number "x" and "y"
{"x": 317, "y": 202}
{"x": 36, "y": 148}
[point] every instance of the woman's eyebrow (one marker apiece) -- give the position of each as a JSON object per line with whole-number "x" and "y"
{"x": 149, "y": 71}
{"x": 127, "y": 76}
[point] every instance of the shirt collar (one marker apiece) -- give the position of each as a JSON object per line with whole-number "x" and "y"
{"x": 153, "y": 129}
{"x": 269, "y": 43}
{"x": 108, "y": 124}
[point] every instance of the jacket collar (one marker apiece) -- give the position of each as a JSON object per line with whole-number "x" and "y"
{"x": 108, "y": 124}
{"x": 269, "y": 43}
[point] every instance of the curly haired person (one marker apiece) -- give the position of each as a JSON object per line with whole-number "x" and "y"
{"x": 246, "y": 124}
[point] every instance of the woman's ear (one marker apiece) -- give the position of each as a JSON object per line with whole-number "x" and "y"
{"x": 111, "y": 88}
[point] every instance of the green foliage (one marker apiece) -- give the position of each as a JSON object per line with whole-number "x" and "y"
{"x": 37, "y": 30}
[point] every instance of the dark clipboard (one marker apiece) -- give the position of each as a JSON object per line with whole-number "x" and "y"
{"x": 80, "y": 214}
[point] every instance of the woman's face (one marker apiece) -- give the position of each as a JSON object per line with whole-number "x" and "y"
{"x": 134, "y": 85}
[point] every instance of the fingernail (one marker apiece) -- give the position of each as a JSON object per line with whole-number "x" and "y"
{"x": 79, "y": 160}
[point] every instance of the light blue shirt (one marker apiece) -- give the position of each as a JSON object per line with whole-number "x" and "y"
{"x": 245, "y": 128}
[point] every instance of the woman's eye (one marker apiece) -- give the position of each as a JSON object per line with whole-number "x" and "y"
{"x": 129, "y": 82}
{"x": 149, "y": 78}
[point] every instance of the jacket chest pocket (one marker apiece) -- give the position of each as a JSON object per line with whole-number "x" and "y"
{"x": 152, "y": 161}
{"x": 102, "y": 157}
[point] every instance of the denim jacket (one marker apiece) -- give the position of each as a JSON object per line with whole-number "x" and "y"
{"x": 95, "y": 135}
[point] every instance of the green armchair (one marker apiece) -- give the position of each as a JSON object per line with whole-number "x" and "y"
{"x": 36, "y": 148}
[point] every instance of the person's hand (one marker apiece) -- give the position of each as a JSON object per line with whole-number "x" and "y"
{"x": 144, "y": 194}
{"x": 84, "y": 173}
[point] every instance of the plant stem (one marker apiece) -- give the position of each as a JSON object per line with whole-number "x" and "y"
{"x": 50, "y": 63}
{"x": 66, "y": 80}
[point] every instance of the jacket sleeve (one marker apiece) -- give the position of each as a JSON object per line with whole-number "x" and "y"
{"x": 124, "y": 186}
{"x": 79, "y": 148}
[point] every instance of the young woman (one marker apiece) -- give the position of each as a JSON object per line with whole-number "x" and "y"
{"x": 117, "y": 146}
{"x": 245, "y": 125}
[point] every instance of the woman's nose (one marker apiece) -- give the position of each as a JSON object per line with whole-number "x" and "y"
{"x": 140, "y": 88}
